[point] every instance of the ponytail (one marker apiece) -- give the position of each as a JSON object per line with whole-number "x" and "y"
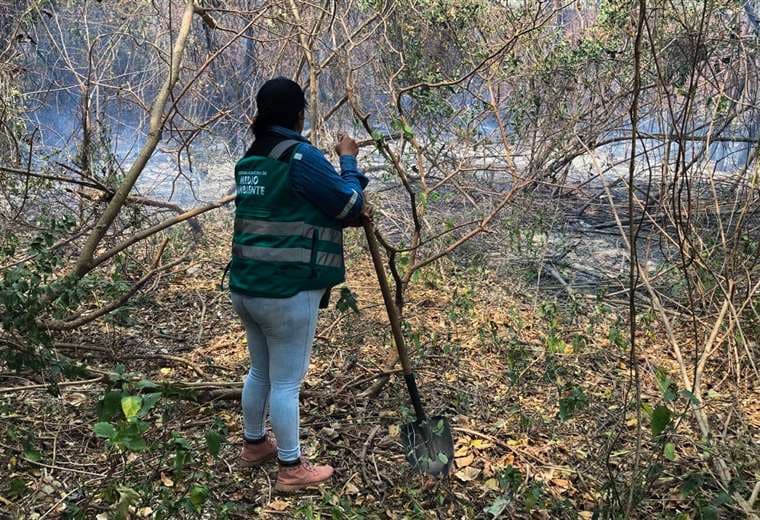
{"x": 260, "y": 124}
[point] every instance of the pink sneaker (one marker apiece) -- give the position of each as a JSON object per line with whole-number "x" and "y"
{"x": 255, "y": 454}
{"x": 303, "y": 476}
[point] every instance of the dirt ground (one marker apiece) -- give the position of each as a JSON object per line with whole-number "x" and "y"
{"x": 533, "y": 387}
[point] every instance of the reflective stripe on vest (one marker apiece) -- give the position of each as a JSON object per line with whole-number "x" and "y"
{"x": 329, "y": 259}
{"x": 301, "y": 229}
{"x": 286, "y": 254}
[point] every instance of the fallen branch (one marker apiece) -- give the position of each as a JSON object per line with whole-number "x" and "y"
{"x": 366, "y": 379}
{"x": 109, "y": 352}
{"x": 232, "y": 394}
{"x": 363, "y": 456}
{"x": 12, "y": 389}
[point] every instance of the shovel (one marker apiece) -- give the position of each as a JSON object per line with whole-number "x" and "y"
{"x": 427, "y": 441}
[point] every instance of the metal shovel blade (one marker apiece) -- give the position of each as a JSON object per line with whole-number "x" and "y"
{"x": 429, "y": 446}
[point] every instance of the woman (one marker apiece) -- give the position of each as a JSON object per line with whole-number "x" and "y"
{"x": 287, "y": 253}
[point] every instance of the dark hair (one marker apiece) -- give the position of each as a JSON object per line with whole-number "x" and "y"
{"x": 278, "y": 102}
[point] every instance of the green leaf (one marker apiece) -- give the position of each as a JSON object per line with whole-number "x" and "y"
{"x": 347, "y": 301}
{"x": 534, "y": 497}
{"x": 214, "y": 442}
{"x": 574, "y": 399}
{"x": 722, "y": 499}
{"x": 131, "y": 405}
{"x": 104, "y": 430}
{"x": 134, "y": 443}
{"x": 145, "y": 384}
{"x": 686, "y": 394}
{"x": 180, "y": 442}
{"x": 708, "y": 512}
{"x": 119, "y": 371}
{"x": 498, "y": 507}
{"x": 127, "y": 497}
{"x": 408, "y": 132}
{"x": 181, "y": 457}
{"x": 670, "y": 451}
{"x": 510, "y": 478}
{"x": 109, "y": 405}
{"x": 32, "y": 454}
{"x": 148, "y": 402}
{"x": 660, "y": 420}
{"x": 666, "y": 385}
{"x": 141, "y": 426}
{"x": 691, "y": 484}
{"x": 17, "y": 487}
{"x": 442, "y": 458}
{"x": 198, "y": 495}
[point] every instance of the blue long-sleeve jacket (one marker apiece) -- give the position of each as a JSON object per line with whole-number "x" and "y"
{"x": 338, "y": 195}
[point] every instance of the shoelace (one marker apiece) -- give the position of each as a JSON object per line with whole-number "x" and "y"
{"x": 308, "y": 466}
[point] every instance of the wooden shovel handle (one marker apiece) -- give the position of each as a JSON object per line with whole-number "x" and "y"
{"x": 390, "y": 305}
{"x": 394, "y": 318}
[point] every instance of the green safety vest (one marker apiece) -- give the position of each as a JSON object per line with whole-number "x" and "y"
{"x": 282, "y": 244}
